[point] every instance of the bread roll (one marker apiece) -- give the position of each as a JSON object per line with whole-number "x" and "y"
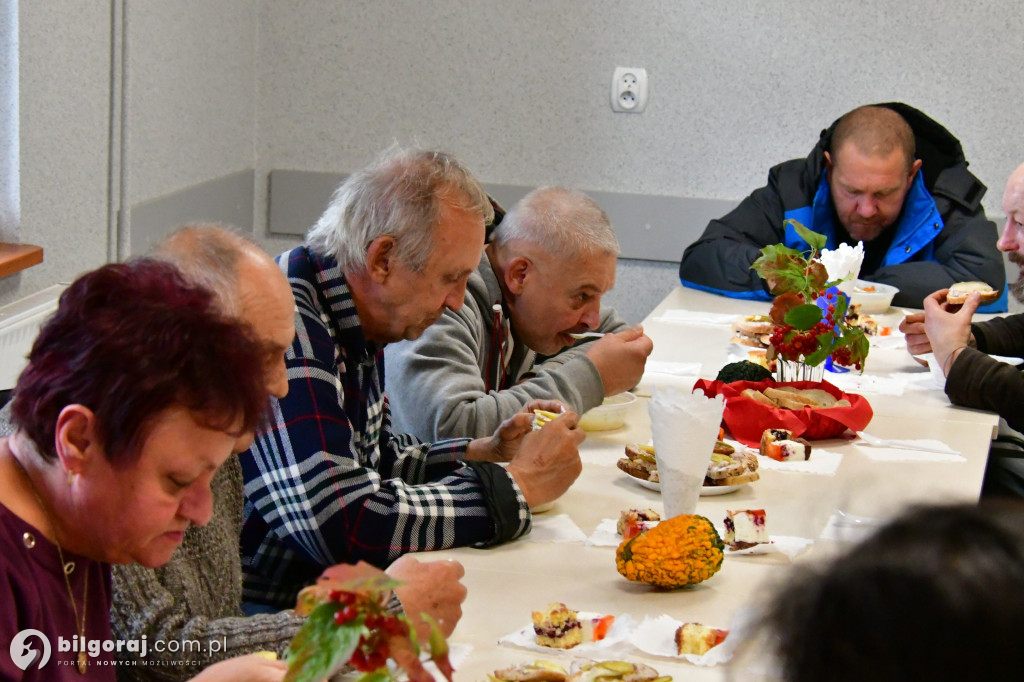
{"x": 959, "y": 292}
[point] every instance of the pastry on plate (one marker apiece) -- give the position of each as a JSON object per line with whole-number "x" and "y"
{"x": 694, "y": 638}
{"x": 634, "y": 521}
{"x": 745, "y": 528}
{"x": 780, "y": 445}
{"x": 640, "y": 462}
{"x": 732, "y": 469}
{"x": 607, "y": 671}
{"x": 538, "y": 671}
{"x": 753, "y": 330}
{"x": 557, "y": 627}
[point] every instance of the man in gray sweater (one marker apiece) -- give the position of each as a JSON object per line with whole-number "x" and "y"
{"x": 541, "y": 278}
{"x": 196, "y": 597}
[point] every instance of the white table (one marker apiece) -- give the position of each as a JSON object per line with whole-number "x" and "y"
{"x": 506, "y": 583}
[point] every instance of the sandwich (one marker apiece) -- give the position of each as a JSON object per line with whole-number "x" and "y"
{"x": 753, "y": 330}
{"x": 959, "y": 292}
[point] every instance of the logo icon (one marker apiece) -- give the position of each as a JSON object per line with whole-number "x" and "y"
{"x": 24, "y": 655}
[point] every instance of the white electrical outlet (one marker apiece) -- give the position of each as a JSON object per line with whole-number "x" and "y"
{"x": 629, "y": 90}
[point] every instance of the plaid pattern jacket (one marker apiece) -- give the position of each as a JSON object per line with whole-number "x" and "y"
{"x": 328, "y": 482}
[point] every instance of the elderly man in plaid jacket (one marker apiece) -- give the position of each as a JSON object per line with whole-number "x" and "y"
{"x": 327, "y": 481}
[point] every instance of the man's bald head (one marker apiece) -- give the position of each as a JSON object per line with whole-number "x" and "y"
{"x": 1012, "y": 239}
{"x": 874, "y": 131}
{"x": 246, "y": 282}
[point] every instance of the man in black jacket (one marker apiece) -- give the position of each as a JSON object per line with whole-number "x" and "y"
{"x": 885, "y": 174}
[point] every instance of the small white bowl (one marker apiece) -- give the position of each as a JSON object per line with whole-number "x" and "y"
{"x": 611, "y": 414}
{"x": 872, "y": 297}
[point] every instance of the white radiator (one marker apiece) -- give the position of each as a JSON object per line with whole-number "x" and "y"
{"x": 19, "y": 324}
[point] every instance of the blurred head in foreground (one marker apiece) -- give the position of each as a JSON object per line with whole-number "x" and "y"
{"x": 937, "y": 594}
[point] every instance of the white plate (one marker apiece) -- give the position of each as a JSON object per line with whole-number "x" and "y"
{"x": 712, "y": 490}
{"x": 705, "y": 491}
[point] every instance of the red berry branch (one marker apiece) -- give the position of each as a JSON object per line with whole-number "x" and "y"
{"x": 810, "y": 321}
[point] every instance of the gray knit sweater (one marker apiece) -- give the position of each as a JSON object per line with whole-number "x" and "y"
{"x": 196, "y": 596}
{"x": 437, "y": 386}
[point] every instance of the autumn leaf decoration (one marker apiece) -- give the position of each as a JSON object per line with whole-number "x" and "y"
{"x": 810, "y": 321}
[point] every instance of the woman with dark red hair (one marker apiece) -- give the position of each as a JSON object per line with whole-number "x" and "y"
{"x": 136, "y": 391}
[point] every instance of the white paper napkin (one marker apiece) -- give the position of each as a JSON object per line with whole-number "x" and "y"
{"x": 605, "y": 535}
{"x": 686, "y": 369}
{"x": 894, "y": 341}
{"x": 918, "y": 381}
{"x": 656, "y": 637}
{"x": 780, "y": 544}
{"x": 556, "y": 528}
{"x": 853, "y": 382}
{"x": 821, "y": 462}
{"x": 680, "y": 316}
{"x": 617, "y": 641}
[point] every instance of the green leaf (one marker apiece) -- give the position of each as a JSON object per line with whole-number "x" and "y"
{"x": 438, "y": 647}
{"x": 816, "y": 241}
{"x": 803, "y": 317}
{"x": 321, "y": 647}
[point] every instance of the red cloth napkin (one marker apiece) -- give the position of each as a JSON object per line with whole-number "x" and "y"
{"x": 747, "y": 419}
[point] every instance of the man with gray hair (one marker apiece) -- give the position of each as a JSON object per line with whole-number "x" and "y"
{"x": 197, "y": 595}
{"x": 330, "y": 480}
{"x": 540, "y": 280}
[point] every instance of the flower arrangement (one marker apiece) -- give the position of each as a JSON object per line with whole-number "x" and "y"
{"x": 348, "y": 623}
{"x": 808, "y": 312}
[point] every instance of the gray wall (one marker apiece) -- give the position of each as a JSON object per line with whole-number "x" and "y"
{"x": 128, "y": 103}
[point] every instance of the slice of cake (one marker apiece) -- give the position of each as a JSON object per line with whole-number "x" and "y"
{"x": 780, "y": 445}
{"x": 745, "y": 528}
{"x": 795, "y": 450}
{"x": 694, "y": 638}
{"x": 632, "y": 522}
{"x": 557, "y": 627}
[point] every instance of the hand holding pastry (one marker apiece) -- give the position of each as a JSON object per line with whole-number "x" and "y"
{"x": 508, "y": 438}
{"x": 948, "y": 332}
{"x": 548, "y": 460}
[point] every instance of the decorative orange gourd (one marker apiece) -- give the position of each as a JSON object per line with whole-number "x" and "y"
{"x": 683, "y": 550}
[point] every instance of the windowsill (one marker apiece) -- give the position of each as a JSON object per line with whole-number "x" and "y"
{"x": 17, "y": 257}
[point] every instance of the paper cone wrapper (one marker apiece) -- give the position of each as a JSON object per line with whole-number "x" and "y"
{"x": 684, "y": 427}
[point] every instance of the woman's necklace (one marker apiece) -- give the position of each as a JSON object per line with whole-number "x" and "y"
{"x": 67, "y": 568}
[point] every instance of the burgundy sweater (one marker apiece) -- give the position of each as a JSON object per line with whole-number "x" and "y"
{"x": 33, "y": 595}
